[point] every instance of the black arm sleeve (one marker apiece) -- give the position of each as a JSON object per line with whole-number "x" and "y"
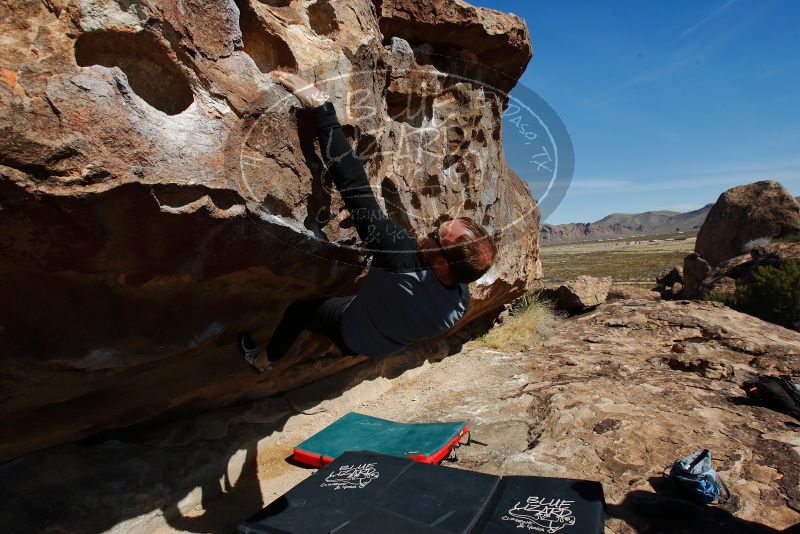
{"x": 392, "y": 246}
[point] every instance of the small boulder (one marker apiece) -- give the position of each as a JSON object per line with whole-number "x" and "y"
{"x": 753, "y": 213}
{"x": 695, "y": 269}
{"x": 670, "y": 276}
{"x": 579, "y": 294}
{"x": 629, "y": 292}
{"x": 705, "y": 367}
{"x": 504, "y": 315}
{"x": 676, "y": 290}
{"x": 669, "y": 284}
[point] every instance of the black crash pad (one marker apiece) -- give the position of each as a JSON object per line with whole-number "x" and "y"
{"x": 544, "y": 504}
{"x": 376, "y": 519}
{"x": 365, "y": 492}
{"x": 329, "y": 498}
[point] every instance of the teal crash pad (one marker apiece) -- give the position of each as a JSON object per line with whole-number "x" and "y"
{"x": 423, "y": 442}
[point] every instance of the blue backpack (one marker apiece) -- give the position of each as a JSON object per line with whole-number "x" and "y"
{"x": 694, "y": 477}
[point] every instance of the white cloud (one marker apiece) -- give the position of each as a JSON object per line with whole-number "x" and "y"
{"x": 760, "y": 167}
{"x": 683, "y": 58}
{"x": 721, "y": 178}
{"x": 686, "y": 206}
{"x": 711, "y": 16}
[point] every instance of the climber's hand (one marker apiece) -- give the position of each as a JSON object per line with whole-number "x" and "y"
{"x": 305, "y": 91}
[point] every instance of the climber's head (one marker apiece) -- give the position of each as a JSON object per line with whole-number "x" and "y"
{"x": 459, "y": 251}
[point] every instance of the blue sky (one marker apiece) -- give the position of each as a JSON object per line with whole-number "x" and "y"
{"x": 667, "y": 103}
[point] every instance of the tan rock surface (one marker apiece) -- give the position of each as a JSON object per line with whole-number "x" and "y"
{"x": 160, "y": 192}
{"x": 762, "y": 209}
{"x": 614, "y": 395}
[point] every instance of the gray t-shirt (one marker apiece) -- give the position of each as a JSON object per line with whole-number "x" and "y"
{"x": 394, "y": 309}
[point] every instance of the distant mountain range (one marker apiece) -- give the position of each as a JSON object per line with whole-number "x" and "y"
{"x": 626, "y": 224}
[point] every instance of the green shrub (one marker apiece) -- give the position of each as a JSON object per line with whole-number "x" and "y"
{"x": 791, "y": 238}
{"x": 773, "y": 295}
{"x": 718, "y": 296}
{"x": 527, "y": 327}
{"x": 532, "y": 298}
{"x": 532, "y": 319}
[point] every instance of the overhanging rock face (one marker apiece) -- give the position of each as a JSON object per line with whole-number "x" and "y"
{"x": 159, "y": 192}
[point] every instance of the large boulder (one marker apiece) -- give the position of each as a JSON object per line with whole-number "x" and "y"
{"x": 744, "y": 214}
{"x": 159, "y": 191}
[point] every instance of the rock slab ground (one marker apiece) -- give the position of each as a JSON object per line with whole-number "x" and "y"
{"x": 614, "y": 395}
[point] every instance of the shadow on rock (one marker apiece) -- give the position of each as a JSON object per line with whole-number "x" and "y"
{"x": 647, "y": 512}
{"x": 197, "y": 473}
{"x": 222, "y": 512}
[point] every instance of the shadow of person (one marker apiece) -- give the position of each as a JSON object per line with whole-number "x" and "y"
{"x": 760, "y": 403}
{"x": 223, "y": 510}
{"x": 647, "y": 512}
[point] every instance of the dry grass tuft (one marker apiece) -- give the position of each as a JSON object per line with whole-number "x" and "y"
{"x": 532, "y": 320}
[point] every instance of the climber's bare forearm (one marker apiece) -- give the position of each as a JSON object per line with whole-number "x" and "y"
{"x": 305, "y": 91}
{"x": 348, "y": 172}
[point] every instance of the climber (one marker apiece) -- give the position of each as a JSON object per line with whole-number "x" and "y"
{"x": 415, "y": 288}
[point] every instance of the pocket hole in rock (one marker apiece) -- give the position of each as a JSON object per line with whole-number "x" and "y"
{"x": 322, "y": 17}
{"x": 268, "y": 51}
{"x": 151, "y": 73}
{"x": 414, "y": 110}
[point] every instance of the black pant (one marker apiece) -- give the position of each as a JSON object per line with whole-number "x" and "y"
{"x": 321, "y": 315}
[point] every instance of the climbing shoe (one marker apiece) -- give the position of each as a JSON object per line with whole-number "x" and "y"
{"x": 250, "y": 351}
